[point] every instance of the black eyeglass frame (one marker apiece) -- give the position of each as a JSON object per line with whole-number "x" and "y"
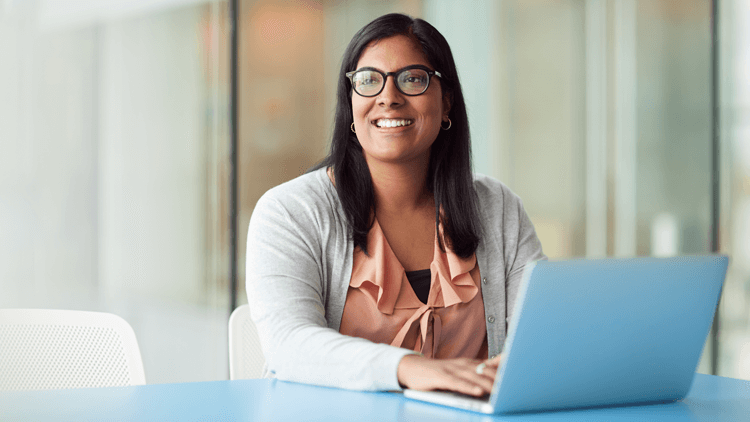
{"x": 385, "y": 75}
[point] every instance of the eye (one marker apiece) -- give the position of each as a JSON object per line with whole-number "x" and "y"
{"x": 367, "y": 78}
{"x": 413, "y": 81}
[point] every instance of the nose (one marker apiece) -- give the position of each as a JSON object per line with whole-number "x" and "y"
{"x": 390, "y": 96}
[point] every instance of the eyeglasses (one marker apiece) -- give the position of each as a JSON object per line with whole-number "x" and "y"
{"x": 411, "y": 80}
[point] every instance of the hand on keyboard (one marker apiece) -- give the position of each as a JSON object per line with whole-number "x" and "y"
{"x": 461, "y": 375}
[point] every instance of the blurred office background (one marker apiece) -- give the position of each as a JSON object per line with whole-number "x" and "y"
{"x": 115, "y": 165}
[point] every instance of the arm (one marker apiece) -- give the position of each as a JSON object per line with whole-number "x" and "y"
{"x": 523, "y": 246}
{"x": 286, "y": 293}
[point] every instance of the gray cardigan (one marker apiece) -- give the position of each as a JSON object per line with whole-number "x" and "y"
{"x": 299, "y": 264}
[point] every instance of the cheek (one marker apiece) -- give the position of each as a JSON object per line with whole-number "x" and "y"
{"x": 433, "y": 112}
{"x": 359, "y": 108}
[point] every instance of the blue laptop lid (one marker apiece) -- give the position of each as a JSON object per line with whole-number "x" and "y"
{"x": 607, "y": 332}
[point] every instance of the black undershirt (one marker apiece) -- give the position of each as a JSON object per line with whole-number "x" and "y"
{"x": 420, "y": 281}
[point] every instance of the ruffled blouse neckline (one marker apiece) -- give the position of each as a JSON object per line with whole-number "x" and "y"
{"x": 382, "y": 277}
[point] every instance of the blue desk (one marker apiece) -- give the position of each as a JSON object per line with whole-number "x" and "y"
{"x": 711, "y": 399}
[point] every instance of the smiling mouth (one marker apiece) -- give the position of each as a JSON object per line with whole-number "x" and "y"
{"x": 393, "y": 122}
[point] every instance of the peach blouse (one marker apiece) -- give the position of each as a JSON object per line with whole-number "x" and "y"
{"x": 381, "y": 305}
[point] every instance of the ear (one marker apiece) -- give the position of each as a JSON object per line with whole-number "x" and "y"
{"x": 447, "y": 102}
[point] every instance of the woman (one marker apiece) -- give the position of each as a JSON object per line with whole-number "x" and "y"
{"x": 390, "y": 265}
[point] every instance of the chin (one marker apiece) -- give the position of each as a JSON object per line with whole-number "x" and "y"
{"x": 396, "y": 158}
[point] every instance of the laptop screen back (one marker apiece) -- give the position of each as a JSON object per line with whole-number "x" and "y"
{"x": 607, "y": 332}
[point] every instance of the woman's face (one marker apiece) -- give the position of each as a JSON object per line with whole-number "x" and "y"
{"x": 420, "y": 115}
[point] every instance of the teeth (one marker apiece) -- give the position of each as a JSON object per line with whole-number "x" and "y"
{"x": 392, "y": 122}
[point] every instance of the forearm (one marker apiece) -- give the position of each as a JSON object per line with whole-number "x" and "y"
{"x": 308, "y": 353}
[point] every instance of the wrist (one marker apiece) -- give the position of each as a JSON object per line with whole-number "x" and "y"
{"x": 406, "y": 367}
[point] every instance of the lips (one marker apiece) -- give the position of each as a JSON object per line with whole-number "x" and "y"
{"x": 392, "y": 122}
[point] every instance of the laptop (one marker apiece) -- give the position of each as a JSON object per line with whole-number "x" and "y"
{"x": 605, "y": 332}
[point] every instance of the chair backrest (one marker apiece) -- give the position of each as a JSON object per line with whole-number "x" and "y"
{"x": 246, "y": 358}
{"x": 43, "y": 349}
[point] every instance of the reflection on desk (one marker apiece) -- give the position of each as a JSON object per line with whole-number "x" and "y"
{"x": 711, "y": 399}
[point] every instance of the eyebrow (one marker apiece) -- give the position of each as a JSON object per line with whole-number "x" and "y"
{"x": 421, "y": 66}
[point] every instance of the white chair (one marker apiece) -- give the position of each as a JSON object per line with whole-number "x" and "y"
{"x": 43, "y": 349}
{"x": 246, "y": 358}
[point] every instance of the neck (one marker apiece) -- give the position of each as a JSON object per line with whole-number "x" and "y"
{"x": 400, "y": 187}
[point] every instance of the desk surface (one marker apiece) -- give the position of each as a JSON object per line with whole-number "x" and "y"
{"x": 711, "y": 399}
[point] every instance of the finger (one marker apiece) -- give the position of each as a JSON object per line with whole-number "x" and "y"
{"x": 490, "y": 373}
{"x": 464, "y": 386}
{"x": 473, "y": 385}
{"x": 487, "y": 371}
{"x": 494, "y": 362}
{"x": 470, "y": 375}
{"x": 460, "y": 375}
{"x": 454, "y": 374}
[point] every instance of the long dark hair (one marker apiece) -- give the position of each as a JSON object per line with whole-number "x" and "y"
{"x": 449, "y": 175}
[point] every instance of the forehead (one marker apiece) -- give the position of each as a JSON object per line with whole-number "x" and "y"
{"x": 392, "y": 53}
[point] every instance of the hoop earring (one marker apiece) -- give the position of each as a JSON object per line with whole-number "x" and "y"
{"x": 352, "y": 127}
{"x": 449, "y": 125}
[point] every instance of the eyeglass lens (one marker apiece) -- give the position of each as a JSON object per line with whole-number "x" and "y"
{"x": 409, "y": 81}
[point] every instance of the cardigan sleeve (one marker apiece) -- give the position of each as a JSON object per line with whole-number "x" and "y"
{"x": 522, "y": 247}
{"x": 286, "y": 291}
{"x": 528, "y": 248}
{"x": 511, "y": 243}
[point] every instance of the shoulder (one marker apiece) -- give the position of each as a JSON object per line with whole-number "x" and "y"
{"x": 493, "y": 193}
{"x": 310, "y": 198}
{"x": 307, "y": 187}
{"x": 505, "y": 220}
{"x": 304, "y": 193}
